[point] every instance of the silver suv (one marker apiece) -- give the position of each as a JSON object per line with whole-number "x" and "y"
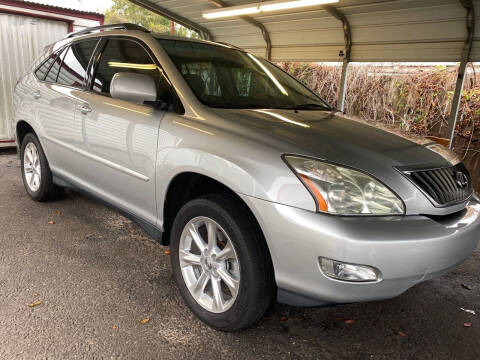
{"x": 261, "y": 189}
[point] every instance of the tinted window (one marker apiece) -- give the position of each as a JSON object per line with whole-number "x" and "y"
{"x": 224, "y": 77}
{"x": 74, "y": 67}
{"x": 202, "y": 77}
{"x": 128, "y": 56}
{"x": 41, "y": 71}
{"x": 53, "y": 72}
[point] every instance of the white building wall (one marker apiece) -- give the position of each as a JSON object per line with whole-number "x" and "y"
{"x": 22, "y": 40}
{"x": 78, "y": 23}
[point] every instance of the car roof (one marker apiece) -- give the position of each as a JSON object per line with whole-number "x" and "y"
{"x": 135, "y": 33}
{"x": 165, "y": 36}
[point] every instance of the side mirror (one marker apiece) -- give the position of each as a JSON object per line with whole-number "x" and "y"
{"x": 133, "y": 87}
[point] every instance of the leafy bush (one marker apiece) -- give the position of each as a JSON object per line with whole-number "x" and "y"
{"x": 414, "y": 100}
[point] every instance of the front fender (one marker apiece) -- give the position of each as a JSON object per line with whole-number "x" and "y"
{"x": 245, "y": 166}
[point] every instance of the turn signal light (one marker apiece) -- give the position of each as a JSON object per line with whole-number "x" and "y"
{"x": 322, "y": 204}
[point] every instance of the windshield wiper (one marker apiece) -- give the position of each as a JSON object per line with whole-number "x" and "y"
{"x": 308, "y": 107}
{"x": 258, "y": 106}
{"x": 237, "y": 106}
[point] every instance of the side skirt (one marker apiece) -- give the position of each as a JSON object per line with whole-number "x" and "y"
{"x": 149, "y": 228}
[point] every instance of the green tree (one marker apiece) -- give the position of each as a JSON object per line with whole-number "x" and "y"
{"x": 124, "y": 11}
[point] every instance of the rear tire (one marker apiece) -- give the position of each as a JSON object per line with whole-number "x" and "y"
{"x": 36, "y": 174}
{"x": 248, "y": 265}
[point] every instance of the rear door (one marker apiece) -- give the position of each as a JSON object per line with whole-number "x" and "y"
{"x": 56, "y": 103}
{"x": 119, "y": 138}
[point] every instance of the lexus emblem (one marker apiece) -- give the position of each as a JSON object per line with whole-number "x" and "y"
{"x": 461, "y": 179}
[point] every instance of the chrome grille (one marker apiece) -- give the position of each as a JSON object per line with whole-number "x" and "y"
{"x": 445, "y": 186}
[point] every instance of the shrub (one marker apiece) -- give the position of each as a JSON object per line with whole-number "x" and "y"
{"x": 413, "y": 99}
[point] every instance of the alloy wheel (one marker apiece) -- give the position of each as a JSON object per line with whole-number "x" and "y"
{"x": 31, "y": 167}
{"x": 209, "y": 264}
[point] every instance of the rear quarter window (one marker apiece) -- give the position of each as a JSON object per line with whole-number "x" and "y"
{"x": 42, "y": 69}
{"x": 53, "y": 72}
{"x": 73, "y": 71}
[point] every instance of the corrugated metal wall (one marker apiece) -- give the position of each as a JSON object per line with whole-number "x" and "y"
{"x": 383, "y": 30}
{"x": 22, "y": 40}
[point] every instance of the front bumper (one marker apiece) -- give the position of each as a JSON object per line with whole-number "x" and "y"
{"x": 406, "y": 249}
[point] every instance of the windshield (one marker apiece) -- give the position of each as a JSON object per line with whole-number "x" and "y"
{"x": 229, "y": 78}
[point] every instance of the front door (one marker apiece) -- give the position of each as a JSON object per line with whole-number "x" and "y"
{"x": 120, "y": 137}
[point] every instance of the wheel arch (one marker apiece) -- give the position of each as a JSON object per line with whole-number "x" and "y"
{"x": 189, "y": 185}
{"x": 22, "y": 128}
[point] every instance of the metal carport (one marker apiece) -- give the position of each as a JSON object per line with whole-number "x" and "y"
{"x": 350, "y": 30}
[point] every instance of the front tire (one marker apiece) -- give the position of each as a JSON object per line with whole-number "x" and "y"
{"x": 36, "y": 174}
{"x": 221, "y": 263}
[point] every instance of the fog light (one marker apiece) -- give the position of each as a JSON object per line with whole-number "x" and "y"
{"x": 348, "y": 272}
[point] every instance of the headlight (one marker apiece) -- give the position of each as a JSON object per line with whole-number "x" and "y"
{"x": 344, "y": 191}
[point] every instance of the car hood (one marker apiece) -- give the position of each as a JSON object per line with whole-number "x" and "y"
{"x": 333, "y": 137}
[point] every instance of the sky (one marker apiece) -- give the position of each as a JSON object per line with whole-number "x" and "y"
{"x": 86, "y": 5}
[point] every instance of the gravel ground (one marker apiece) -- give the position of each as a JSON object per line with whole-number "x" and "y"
{"x": 97, "y": 275}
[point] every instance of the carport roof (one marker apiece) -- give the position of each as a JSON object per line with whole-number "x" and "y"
{"x": 400, "y": 30}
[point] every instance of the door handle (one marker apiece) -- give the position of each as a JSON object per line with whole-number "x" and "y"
{"x": 36, "y": 94}
{"x": 84, "y": 108}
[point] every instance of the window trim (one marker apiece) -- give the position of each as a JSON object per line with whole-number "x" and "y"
{"x": 106, "y": 39}
{"x": 160, "y": 40}
{"x": 58, "y": 53}
{"x": 44, "y": 62}
{"x": 83, "y": 86}
{"x": 179, "y": 108}
{"x": 94, "y": 60}
{"x": 61, "y": 64}
{"x": 97, "y": 55}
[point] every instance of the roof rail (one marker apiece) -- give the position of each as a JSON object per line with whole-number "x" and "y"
{"x": 229, "y": 45}
{"x": 123, "y": 26}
